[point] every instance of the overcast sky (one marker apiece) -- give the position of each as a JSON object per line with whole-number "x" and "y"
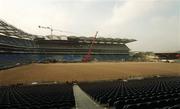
{"x": 154, "y": 23}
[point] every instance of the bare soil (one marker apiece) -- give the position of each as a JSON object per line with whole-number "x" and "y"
{"x": 86, "y": 71}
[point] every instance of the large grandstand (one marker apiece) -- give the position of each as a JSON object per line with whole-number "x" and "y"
{"x": 18, "y": 47}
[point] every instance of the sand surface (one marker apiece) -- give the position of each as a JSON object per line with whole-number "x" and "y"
{"x": 85, "y": 71}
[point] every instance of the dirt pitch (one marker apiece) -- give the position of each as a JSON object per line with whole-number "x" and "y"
{"x": 85, "y": 71}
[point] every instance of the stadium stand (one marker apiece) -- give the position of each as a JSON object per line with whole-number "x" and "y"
{"x": 11, "y": 41}
{"x": 54, "y": 96}
{"x": 149, "y": 93}
{"x": 18, "y": 48}
{"x": 9, "y": 60}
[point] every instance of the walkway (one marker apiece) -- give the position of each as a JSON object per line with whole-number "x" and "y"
{"x": 83, "y": 101}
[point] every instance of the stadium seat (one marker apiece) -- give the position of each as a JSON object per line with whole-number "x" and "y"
{"x": 37, "y": 97}
{"x": 149, "y": 93}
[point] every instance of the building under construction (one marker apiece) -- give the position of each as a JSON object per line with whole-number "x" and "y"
{"x": 18, "y": 47}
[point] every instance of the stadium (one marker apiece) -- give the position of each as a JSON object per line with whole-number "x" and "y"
{"x": 70, "y": 72}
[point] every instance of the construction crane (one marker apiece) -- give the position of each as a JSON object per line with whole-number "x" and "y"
{"x": 88, "y": 57}
{"x": 52, "y": 29}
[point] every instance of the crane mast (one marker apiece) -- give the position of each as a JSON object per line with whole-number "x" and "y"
{"x": 88, "y": 57}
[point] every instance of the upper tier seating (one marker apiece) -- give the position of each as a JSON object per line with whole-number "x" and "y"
{"x": 5, "y": 40}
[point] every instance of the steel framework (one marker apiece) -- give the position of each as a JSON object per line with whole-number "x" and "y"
{"x": 9, "y": 30}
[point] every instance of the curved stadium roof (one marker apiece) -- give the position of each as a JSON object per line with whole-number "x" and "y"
{"x": 101, "y": 39}
{"x": 9, "y": 30}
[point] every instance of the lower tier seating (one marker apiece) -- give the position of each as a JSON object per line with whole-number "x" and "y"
{"x": 55, "y": 96}
{"x": 149, "y": 93}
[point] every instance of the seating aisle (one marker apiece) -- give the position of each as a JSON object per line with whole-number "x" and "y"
{"x": 83, "y": 101}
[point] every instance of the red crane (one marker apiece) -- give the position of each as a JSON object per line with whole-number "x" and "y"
{"x": 88, "y": 57}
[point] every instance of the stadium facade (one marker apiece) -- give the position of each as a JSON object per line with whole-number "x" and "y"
{"x": 18, "y": 47}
